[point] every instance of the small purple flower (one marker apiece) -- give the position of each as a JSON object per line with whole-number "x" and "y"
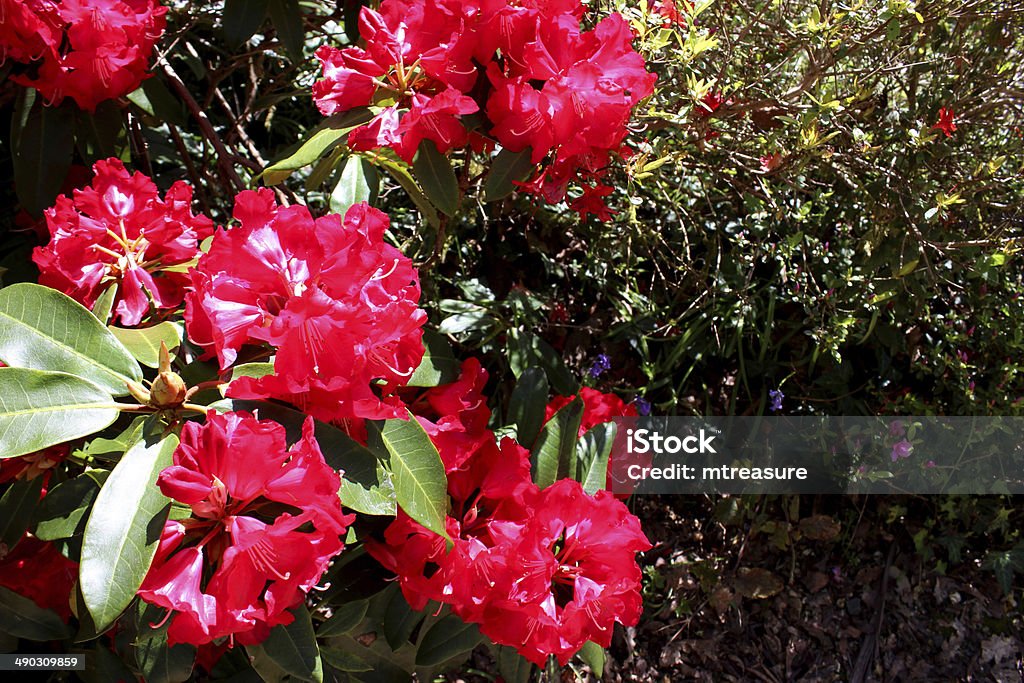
{"x": 930, "y": 464}
{"x": 776, "y": 397}
{"x": 643, "y": 406}
{"x": 897, "y": 428}
{"x": 901, "y": 449}
{"x": 601, "y": 365}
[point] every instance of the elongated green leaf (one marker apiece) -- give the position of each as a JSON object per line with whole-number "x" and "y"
{"x": 242, "y": 18}
{"x": 40, "y": 409}
{"x": 331, "y": 133}
{"x": 527, "y": 350}
{"x": 593, "y": 450}
{"x": 286, "y": 16}
{"x": 506, "y": 167}
{"x": 16, "y": 508}
{"x": 439, "y": 364}
{"x": 448, "y": 638}
{"x": 400, "y": 620}
{"x": 434, "y": 172}
{"x": 163, "y": 663}
{"x": 44, "y": 329}
{"x": 400, "y": 172}
{"x": 22, "y": 618}
{"x": 358, "y": 183}
{"x": 555, "y": 450}
{"x": 105, "y": 304}
{"x": 43, "y": 145}
{"x": 62, "y": 513}
{"x": 420, "y": 484}
{"x": 512, "y": 666}
{"x": 144, "y": 343}
{"x": 111, "y": 450}
{"x": 291, "y": 648}
{"x": 593, "y": 655}
{"x": 345, "y": 618}
{"x": 341, "y": 660}
{"x": 526, "y": 406}
{"x": 123, "y": 530}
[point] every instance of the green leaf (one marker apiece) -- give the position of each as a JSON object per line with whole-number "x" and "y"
{"x": 42, "y": 147}
{"x": 123, "y": 530}
{"x": 162, "y": 663}
{"x": 555, "y": 449}
{"x": 242, "y": 18}
{"x": 341, "y": 660}
{"x": 400, "y": 172}
{"x": 330, "y": 134}
{"x": 447, "y": 639}
{"x": 400, "y": 620}
{"x": 527, "y": 350}
{"x": 105, "y": 303}
{"x": 359, "y": 182}
{"x": 291, "y": 648}
{"x": 44, "y": 329}
{"x": 421, "y": 488}
{"x": 593, "y": 451}
{"x": 253, "y": 370}
{"x": 22, "y": 618}
{"x": 104, "y": 666}
{"x": 506, "y": 167}
{"x": 512, "y": 666}
{"x": 345, "y": 618}
{"x": 593, "y": 655}
{"x": 98, "y": 133}
{"x": 112, "y": 449}
{"x": 40, "y": 409}
{"x": 62, "y": 513}
{"x": 434, "y": 172}
{"x": 526, "y": 406}
{"x": 144, "y": 343}
{"x": 16, "y": 508}
{"x": 286, "y": 16}
{"x": 439, "y": 364}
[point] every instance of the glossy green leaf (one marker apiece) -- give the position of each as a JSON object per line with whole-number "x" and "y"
{"x": 44, "y": 329}
{"x": 512, "y": 666}
{"x": 291, "y": 648}
{"x": 43, "y": 146}
{"x": 22, "y": 618}
{"x": 439, "y": 364}
{"x": 111, "y": 450}
{"x": 593, "y": 451}
{"x": 242, "y": 18}
{"x": 286, "y": 17}
{"x": 399, "y": 170}
{"x": 16, "y": 508}
{"x": 527, "y": 350}
{"x": 345, "y": 618}
{"x": 330, "y": 134}
{"x": 593, "y": 655}
{"x": 447, "y": 639}
{"x": 554, "y": 452}
{"x": 40, "y": 409}
{"x": 527, "y": 404}
{"x": 123, "y": 530}
{"x": 144, "y": 343}
{"x": 104, "y": 305}
{"x": 506, "y": 167}
{"x": 359, "y": 182}
{"x": 62, "y": 513}
{"x": 400, "y": 620}
{"x": 434, "y": 172}
{"x": 421, "y": 487}
{"x": 340, "y": 660}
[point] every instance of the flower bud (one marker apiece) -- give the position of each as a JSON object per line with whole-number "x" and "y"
{"x": 168, "y": 391}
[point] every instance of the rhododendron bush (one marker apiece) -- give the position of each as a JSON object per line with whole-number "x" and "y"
{"x": 230, "y": 437}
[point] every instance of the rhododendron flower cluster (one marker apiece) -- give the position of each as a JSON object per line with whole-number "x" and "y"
{"x": 119, "y": 231}
{"x": 88, "y": 50}
{"x": 598, "y": 407}
{"x": 338, "y": 304}
{"x": 542, "y": 570}
{"x": 36, "y": 570}
{"x": 541, "y": 82}
{"x": 266, "y": 521}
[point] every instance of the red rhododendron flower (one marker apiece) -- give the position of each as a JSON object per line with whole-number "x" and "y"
{"x": 598, "y": 408}
{"x": 36, "y": 570}
{"x": 573, "y": 575}
{"x": 120, "y": 231}
{"x": 945, "y": 123}
{"x": 34, "y": 464}
{"x": 670, "y": 12}
{"x": 337, "y": 303}
{"x": 89, "y": 50}
{"x": 266, "y": 521}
